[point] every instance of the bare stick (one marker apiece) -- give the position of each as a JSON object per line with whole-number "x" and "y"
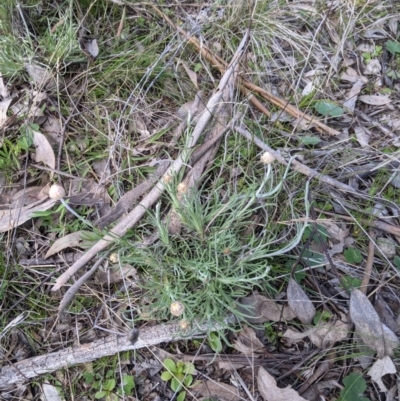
{"x": 138, "y": 212}
{"x": 69, "y": 295}
{"x": 33, "y": 367}
{"x": 379, "y": 224}
{"x": 370, "y": 262}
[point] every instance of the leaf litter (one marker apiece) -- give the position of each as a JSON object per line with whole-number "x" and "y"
{"x": 112, "y": 152}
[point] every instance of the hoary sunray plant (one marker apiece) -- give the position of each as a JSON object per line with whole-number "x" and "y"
{"x": 219, "y": 255}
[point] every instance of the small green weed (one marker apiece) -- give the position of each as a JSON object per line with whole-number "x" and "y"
{"x": 106, "y": 387}
{"x": 180, "y": 375}
{"x": 348, "y": 282}
{"x": 353, "y": 255}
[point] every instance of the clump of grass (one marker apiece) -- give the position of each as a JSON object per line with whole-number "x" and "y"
{"x": 218, "y": 257}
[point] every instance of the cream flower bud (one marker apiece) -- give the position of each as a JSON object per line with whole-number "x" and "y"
{"x": 267, "y": 158}
{"x": 114, "y": 258}
{"x": 181, "y": 188}
{"x": 184, "y": 325}
{"x": 56, "y": 192}
{"x": 167, "y": 179}
{"x": 177, "y": 308}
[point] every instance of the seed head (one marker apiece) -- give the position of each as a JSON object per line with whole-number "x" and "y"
{"x": 177, "y": 308}
{"x": 181, "y": 188}
{"x": 56, "y": 192}
{"x": 267, "y": 158}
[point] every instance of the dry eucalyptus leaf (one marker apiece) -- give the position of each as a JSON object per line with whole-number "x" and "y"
{"x": 350, "y": 75}
{"x": 324, "y": 335}
{"x": 192, "y": 75}
{"x": 53, "y": 128}
{"x": 68, "y": 241}
{"x": 41, "y": 76}
{"x": 375, "y": 33}
{"x": 92, "y": 47}
{"x": 50, "y": 393}
{"x": 373, "y": 67}
{"x": 300, "y": 303}
{"x": 375, "y": 100}
{"x": 391, "y": 340}
{"x": 387, "y": 246}
{"x": 271, "y": 392}
{"x": 27, "y": 196}
{"x": 12, "y": 218}
{"x": 367, "y": 322}
{"x": 44, "y": 152}
{"x": 351, "y": 97}
{"x": 4, "y": 92}
{"x": 219, "y": 390}
{"x": 139, "y": 126}
{"x": 380, "y": 368}
{"x": 259, "y": 309}
{"x": 4, "y": 105}
{"x": 362, "y": 135}
{"x": 327, "y": 334}
{"x": 247, "y": 342}
{"x": 116, "y": 273}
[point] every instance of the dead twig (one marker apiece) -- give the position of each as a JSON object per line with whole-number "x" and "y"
{"x": 148, "y": 201}
{"x": 30, "y": 368}
{"x": 370, "y": 262}
{"x": 379, "y": 224}
{"x": 69, "y": 295}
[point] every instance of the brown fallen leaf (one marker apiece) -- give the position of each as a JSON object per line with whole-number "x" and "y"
{"x": 375, "y": 100}
{"x": 192, "y": 75}
{"x": 44, "y": 152}
{"x": 247, "y": 342}
{"x": 221, "y": 391}
{"x": 68, "y": 241}
{"x": 380, "y": 368}
{"x": 300, "y": 303}
{"x": 116, "y": 273}
{"x": 369, "y": 326}
{"x": 12, "y": 218}
{"x": 324, "y": 335}
{"x": 259, "y": 309}
{"x": 271, "y": 392}
{"x": 4, "y": 104}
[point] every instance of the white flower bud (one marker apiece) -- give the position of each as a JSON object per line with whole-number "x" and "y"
{"x": 267, "y": 158}
{"x": 184, "y": 325}
{"x": 114, "y": 258}
{"x": 181, "y": 188}
{"x": 177, "y": 308}
{"x": 167, "y": 179}
{"x": 56, "y": 192}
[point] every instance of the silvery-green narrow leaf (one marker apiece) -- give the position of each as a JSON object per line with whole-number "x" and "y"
{"x": 300, "y": 303}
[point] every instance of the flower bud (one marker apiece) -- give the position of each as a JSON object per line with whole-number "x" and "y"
{"x": 181, "y": 188}
{"x": 184, "y": 325}
{"x": 267, "y": 158}
{"x": 56, "y": 192}
{"x": 177, "y": 308}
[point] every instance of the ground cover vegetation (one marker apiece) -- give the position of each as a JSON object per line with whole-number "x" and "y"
{"x": 199, "y": 200}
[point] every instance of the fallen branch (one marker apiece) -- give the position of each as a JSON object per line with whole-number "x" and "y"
{"x": 148, "y": 201}
{"x": 370, "y": 262}
{"x": 379, "y": 224}
{"x": 21, "y": 371}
